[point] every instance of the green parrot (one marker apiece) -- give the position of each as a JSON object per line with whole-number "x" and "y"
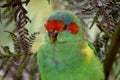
{"x": 65, "y": 54}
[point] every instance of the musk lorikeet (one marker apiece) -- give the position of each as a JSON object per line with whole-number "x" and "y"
{"x": 65, "y": 54}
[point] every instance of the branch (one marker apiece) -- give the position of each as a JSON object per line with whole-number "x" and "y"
{"x": 112, "y": 51}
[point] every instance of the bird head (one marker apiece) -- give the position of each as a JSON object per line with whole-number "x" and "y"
{"x": 63, "y": 26}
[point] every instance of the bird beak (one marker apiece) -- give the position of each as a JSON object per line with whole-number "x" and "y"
{"x": 53, "y": 36}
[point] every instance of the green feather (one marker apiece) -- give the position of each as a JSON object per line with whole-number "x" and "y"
{"x": 92, "y": 47}
{"x": 67, "y": 58}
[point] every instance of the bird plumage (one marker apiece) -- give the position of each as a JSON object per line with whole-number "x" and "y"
{"x": 70, "y": 56}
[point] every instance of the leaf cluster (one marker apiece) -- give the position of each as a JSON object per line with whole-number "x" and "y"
{"x": 22, "y": 60}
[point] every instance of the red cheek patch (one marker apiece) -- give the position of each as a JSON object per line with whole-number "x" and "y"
{"x": 54, "y": 25}
{"x": 73, "y": 28}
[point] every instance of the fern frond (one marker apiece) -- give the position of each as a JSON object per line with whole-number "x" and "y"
{"x": 32, "y": 38}
{"x": 8, "y": 67}
{"x": 22, "y": 65}
{"x": 6, "y": 49}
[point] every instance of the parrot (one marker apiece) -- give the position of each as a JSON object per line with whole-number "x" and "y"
{"x": 65, "y": 53}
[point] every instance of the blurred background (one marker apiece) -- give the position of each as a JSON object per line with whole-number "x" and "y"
{"x": 100, "y": 19}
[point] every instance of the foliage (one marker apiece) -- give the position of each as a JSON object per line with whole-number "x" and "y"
{"x": 22, "y": 60}
{"x": 105, "y": 14}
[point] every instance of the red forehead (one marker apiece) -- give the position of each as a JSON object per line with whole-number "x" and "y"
{"x": 59, "y": 25}
{"x": 54, "y": 25}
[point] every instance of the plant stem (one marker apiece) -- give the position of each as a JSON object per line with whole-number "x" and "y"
{"x": 112, "y": 51}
